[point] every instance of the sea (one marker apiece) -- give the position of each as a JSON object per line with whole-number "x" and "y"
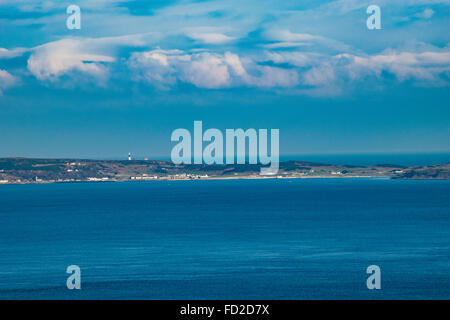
{"x": 227, "y": 239}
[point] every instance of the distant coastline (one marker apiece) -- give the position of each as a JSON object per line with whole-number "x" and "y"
{"x": 28, "y": 171}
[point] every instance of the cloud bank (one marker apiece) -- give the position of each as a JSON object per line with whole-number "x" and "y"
{"x": 221, "y": 45}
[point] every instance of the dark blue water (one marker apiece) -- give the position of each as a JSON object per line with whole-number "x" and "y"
{"x": 241, "y": 239}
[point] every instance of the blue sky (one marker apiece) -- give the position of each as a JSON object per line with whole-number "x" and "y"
{"x": 137, "y": 70}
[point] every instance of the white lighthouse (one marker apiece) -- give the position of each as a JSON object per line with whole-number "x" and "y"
{"x": 129, "y": 156}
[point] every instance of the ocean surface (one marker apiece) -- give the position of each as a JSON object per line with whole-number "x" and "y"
{"x": 234, "y": 239}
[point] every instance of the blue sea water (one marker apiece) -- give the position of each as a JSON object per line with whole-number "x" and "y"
{"x": 234, "y": 239}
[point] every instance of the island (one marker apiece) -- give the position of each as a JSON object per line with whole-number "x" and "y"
{"x": 27, "y": 170}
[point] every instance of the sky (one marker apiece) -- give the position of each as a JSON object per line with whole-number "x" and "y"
{"x": 138, "y": 70}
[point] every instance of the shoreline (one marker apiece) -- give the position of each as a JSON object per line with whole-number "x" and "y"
{"x": 40, "y": 171}
{"x": 220, "y": 178}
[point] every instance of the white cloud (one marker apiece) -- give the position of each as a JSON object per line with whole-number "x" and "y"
{"x": 286, "y": 44}
{"x": 287, "y": 69}
{"x": 288, "y": 36}
{"x": 206, "y": 70}
{"x": 427, "y": 13}
{"x": 54, "y": 59}
{"x": 286, "y": 39}
{"x": 166, "y": 67}
{"x": 424, "y": 66}
{"x": 318, "y": 76}
{"x": 345, "y": 6}
{"x": 294, "y": 58}
{"x": 158, "y": 67}
{"x": 49, "y": 5}
{"x": 272, "y": 77}
{"x": 8, "y": 54}
{"x": 335, "y": 73}
{"x": 7, "y": 80}
{"x": 211, "y": 38}
{"x": 87, "y": 56}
